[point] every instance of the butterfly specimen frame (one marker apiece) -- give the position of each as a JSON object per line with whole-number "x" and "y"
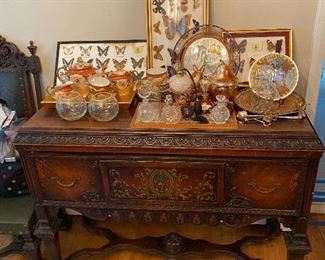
{"x": 253, "y": 44}
{"x": 125, "y": 54}
{"x": 167, "y": 20}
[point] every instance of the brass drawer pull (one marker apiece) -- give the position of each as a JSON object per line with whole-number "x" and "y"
{"x": 64, "y": 185}
{"x": 275, "y": 186}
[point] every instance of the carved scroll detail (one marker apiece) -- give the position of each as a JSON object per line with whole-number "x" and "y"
{"x": 163, "y": 184}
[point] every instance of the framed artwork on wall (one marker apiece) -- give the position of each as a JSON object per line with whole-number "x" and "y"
{"x": 125, "y": 54}
{"x": 252, "y": 44}
{"x": 167, "y": 20}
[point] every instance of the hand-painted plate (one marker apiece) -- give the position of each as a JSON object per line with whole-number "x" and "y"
{"x": 273, "y": 76}
{"x": 204, "y": 50}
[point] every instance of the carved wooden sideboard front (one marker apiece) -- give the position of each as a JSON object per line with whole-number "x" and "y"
{"x": 108, "y": 170}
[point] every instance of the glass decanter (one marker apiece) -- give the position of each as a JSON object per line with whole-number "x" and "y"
{"x": 220, "y": 112}
{"x": 170, "y": 113}
{"x": 147, "y": 111}
{"x": 71, "y": 106}
{"x": 103, "y": 106}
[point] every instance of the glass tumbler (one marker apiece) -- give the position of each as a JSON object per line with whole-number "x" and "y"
{"x": 103, "y": 106}
{"x": 71, "y": 106}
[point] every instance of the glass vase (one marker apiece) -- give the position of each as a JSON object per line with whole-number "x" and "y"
{"x": 103, "y": 106}
{"x": 71, "y": 106}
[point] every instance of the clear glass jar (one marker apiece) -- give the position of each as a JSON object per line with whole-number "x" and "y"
{"x": 170, "y": 112}
{"x": 103, "y": 106}
{"x": 148, "y": 90}
{"x": 220, "y": 112}
{"x": 71, "y": 106}
{"x": 147, "y": 111}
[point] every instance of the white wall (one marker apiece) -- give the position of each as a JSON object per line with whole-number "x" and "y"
{"x": 49, "y": 21}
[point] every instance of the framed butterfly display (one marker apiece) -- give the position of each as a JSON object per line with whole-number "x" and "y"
{"x": 125, "y": 54}
{"x": 253, "y": 44}
{"x": 167, "y": 20}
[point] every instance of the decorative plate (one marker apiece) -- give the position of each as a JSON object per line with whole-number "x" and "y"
{"x": 204, "y": 49}
{"x": 273, "y": 76}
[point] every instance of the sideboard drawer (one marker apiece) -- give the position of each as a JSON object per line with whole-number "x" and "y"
{"x": 266, "y": 184}
{"x": 75, "y": 179}
{"x": 179, "y": 183}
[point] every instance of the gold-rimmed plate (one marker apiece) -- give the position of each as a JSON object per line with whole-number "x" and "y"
{"x": 274, "y": 76}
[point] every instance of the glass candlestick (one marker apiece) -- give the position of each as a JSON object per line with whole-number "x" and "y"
{"x": 205, "y": 84}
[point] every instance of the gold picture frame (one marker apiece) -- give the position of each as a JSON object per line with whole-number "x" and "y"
{"x": 253, "y": 44}
{"x": 166, "y": 21}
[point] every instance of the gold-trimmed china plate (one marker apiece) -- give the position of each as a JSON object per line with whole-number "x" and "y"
{"x": 273, "y": 76}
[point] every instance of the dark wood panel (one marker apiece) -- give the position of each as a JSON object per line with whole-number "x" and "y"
{"x": 69, "y": 179}
{"x": 267, "y": 183}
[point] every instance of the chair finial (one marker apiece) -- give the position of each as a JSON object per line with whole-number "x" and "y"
{"x": 32, "y": 48}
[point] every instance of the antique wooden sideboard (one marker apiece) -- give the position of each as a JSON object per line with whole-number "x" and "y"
{"x": 109, "y": 170}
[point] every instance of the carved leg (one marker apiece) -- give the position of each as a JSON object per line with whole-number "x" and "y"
{"x": 31, "y": 247}
{"x": 297, "y": 245}
{"x": 50, "y": 238}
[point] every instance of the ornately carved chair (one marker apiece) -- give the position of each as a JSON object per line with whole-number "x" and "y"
{"x": 17, "y": 90}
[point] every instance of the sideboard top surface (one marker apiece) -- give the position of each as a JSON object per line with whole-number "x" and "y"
{"x": 47, "y": 128}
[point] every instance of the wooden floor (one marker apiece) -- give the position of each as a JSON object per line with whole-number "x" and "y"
{"x": 78, "y": 238}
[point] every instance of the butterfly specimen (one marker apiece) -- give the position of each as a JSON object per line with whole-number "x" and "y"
{"x": 238, "y": 47}
{"x": 67, "y": 64}
{"x": 196, "y": 26}
{"x": 180, "y": 5}
{"x": 196, "y": 4}
{"x": 102, "y": 52}
{"x": 158, "y": 6}
{"x": 137, "y": 49}
{"x": 85, "y": 51}
{"x": 137, "y": 75}
{"x": 251, "y": 61}
{"x": 90, "y": 61}
{"x": 156, "y": 27}
{"x": 136, "y": 63}
{"x": 157, "y": 50}
{"x": 172, "y": 27}
{"x": 173, "y": 55}
{"x": 101, "y": 64}
{"x": 120, "y": 50}
{"x": 277, "y": 46}
{"x": 119, "y": 65}
{"x": 68, "y": 51}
